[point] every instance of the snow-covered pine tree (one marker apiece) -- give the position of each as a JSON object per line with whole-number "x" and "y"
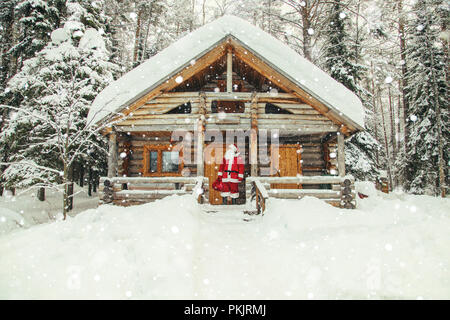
{"x": 49, "y": 131}
{"x": 342, "y": 63}
{"x": 427, "y": 93}
{"x": 37, "y": 19}
{"x": 6, "y": 39}
{"x": 149, "y": 21}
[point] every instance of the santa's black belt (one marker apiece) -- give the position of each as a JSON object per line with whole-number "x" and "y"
{"x": 232, "y": 171}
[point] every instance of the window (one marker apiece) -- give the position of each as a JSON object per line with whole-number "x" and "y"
{"x": 182, "y": 108}
{"x": 227, "y": 106}
{"x": 170, "y": 161}
{"x": 271, "y": 108}
{"x": 162, "y": 161}
{"x": 153, "y": 155}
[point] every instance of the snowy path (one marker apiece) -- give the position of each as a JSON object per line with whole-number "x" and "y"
{"x": 392, "y": 246}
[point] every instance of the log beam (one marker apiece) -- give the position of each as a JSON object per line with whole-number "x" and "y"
{"x": 229, "y": 70}
{"x": 201, "y": 136}
{"x": 112, "y": 155}
{"x": 254, "y": 136}
{"x": 341, "y": 154}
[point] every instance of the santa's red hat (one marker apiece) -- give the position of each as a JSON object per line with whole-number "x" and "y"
{"x": 234, "y": 147}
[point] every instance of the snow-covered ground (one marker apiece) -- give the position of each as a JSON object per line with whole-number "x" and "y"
{"x": 393, "y": 246}
{"x": 25, "y": 210}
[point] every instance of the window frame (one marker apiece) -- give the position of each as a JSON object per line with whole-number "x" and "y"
{"x": 215, "y": 106}
{"x": 160, "y": 149}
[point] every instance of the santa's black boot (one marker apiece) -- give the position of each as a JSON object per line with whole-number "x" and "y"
{"x": 224, "y": 200}
{"x": 233, "y": 201}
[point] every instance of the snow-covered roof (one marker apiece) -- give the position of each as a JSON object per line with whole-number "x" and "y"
{"x": 278, "y": 55}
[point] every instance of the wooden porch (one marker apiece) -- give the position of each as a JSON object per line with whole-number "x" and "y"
{"x": 126, "y": 191}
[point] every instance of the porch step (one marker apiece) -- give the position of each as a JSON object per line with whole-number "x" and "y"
{"x": 228, "y": 213}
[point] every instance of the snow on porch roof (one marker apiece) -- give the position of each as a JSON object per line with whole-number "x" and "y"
{"x": 150, "y": 74}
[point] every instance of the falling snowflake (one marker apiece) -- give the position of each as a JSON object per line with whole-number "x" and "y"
{"x": 310, "y": 31}
{"x": 222, "y": 115}
{"x": 179, "y": 79}
{"x": 123, "y": 155}
{"x": 342, "y": 15}
{"x": 388, "y": 80}
{"x": 413, "y": 118}
{"x": 420, "y": 27}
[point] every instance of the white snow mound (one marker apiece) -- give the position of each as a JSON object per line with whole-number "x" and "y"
{"x": 393, "y": 246}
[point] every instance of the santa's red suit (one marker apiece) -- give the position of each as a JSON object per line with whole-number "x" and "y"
{"x": 232, "y": 172}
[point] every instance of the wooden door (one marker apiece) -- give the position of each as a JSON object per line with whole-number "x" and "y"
{"x": 213, "y": 159}
{"x": 289, "y": 165}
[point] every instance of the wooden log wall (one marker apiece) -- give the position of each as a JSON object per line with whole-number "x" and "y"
{"x": 132, "y": 145}
{"x": 313, "y": 162}
{"x": 151, "y": 125}
{"x": 152, "y": 115}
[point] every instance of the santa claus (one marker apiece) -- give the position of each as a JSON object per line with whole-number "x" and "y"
{"x": 231, "y": 172}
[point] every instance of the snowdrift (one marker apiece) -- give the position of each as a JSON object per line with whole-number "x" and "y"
{"x": 393, "y": 246}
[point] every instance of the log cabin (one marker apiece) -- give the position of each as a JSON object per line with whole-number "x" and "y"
{"x": 169, "y": 119}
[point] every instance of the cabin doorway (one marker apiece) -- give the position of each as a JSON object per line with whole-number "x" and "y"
{"x": 289, "y": 164}
{"x": 213, "y": 159}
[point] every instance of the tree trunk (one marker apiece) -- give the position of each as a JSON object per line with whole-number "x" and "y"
{"x": 90, "y": 182}
{"x": 41, "y": 194}
{"x": 95, "y": 183}
{"x": 81, "y": 176}
{"x": 388, "y": 161}
{"x": 203, "y": 12}
{"x": 391, "y": 116}
{"x": 404, "y": 84}
{"x": 305, "y": 31}
{"x": 439, "y": 125}
{"x": 65, "y": 193}
{"x": 375, "y": 125}
{"x": 70, "y": 196}
{"x": 137, "y": 38}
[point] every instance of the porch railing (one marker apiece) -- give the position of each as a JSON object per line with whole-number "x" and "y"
{"x": 340, "y": 191}
{"x": 127, "y": 191}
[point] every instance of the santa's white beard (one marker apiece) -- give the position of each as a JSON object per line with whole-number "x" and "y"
{"x": 229, "y": 154}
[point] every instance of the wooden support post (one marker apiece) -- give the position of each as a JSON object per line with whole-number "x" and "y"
{"x": 112, "y": 157}
{"x": 229, "y": 70}
{"x": 201, "y": 135}
{"x": 108, "y": 192}
{"x": 254, "y": 136}
{"x": 341, "y": 154}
